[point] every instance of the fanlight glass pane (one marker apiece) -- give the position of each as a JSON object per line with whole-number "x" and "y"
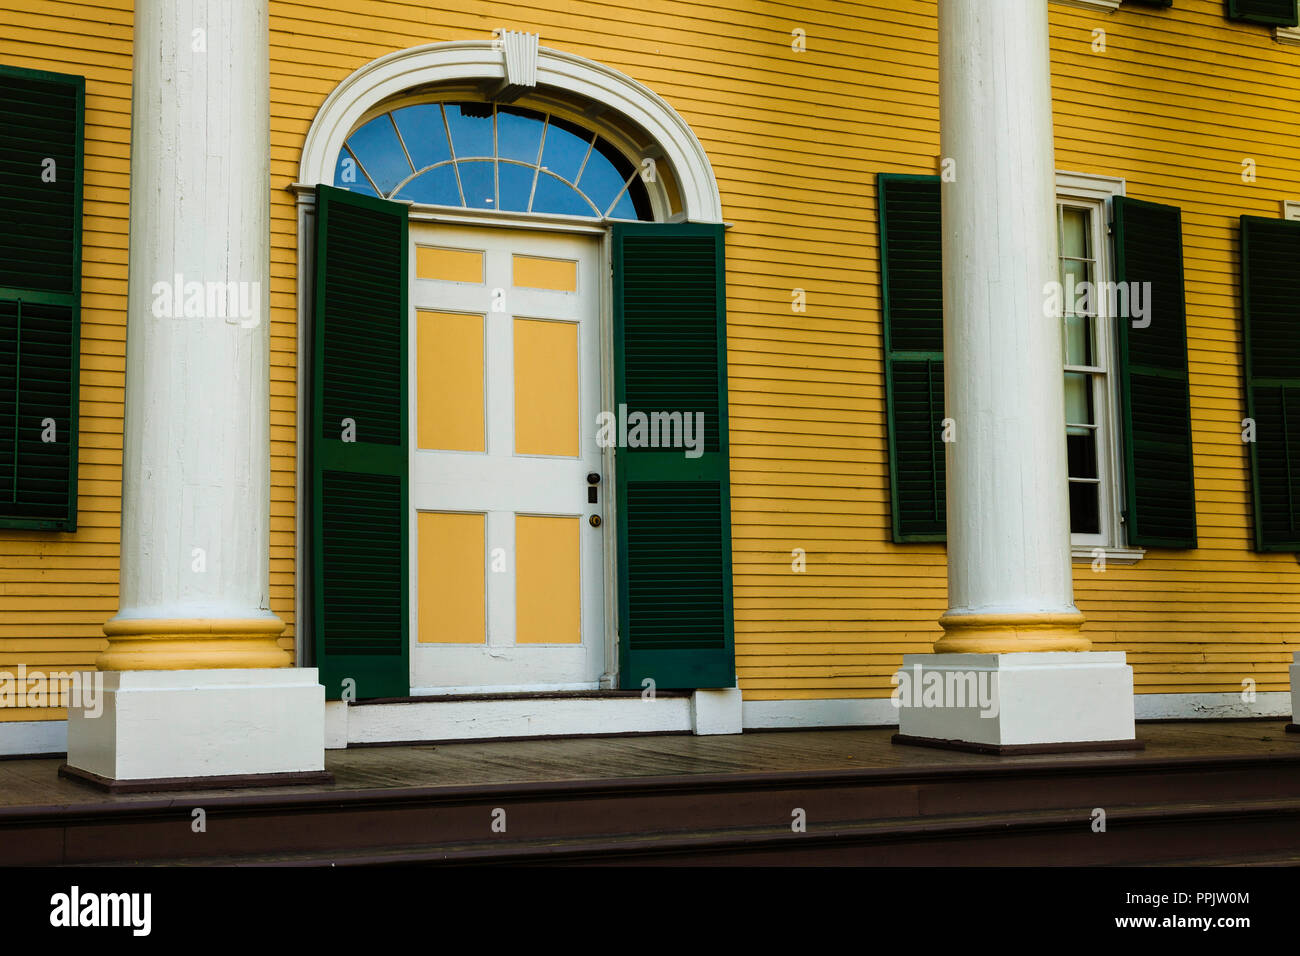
{"x": 478, "y": 181}
{"x": 559, "y": 197}
{"x": 434, "y": 187}
{"x": 377, "y": 147}
{"x": 471, "y": 130}
{"x": 424, "y": 133}
{"x": 566, "y": 147}
{"x": 349, "y": 175}
{"x": 604, "y": 175}
{"x": 516, "y": 186}
{"x": 519, "y": 134}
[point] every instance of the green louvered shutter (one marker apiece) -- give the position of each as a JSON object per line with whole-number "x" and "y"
{"x": 673, "y": 511}
{"x": 911, "y": 276}
{"x": 1270, "y": 294}
{"x": 41, "y": 146}
{"x": 1281, "y": 13}
{"x": 359, "y": 488}
{"x": 1159, "y": 491}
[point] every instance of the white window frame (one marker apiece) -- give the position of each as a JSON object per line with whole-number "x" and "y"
{"x": 1093, "y": 192}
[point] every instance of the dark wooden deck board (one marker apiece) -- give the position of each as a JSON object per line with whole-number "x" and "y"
{"x": 34, "y": 783}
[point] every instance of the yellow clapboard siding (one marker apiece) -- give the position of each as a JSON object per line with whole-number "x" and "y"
{"x": 795, "y": 140}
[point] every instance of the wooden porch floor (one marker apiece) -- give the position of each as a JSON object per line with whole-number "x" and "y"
{"x": 33, "y": 783}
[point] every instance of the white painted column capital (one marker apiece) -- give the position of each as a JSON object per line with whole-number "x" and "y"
{"x": 1009, "y": 574}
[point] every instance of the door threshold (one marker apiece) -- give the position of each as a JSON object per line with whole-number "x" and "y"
{"x": 520, "y": 695}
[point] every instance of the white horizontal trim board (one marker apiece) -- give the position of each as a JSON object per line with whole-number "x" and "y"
{"x": 1210, "y": 706}
{"x": 878, "y": 712}
{"x": 484, "y": 720}
{"x": 1102, "y": 6}
{"x": 33, "y": 737}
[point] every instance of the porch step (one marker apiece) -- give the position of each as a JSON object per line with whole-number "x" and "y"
{"x": 1228, "y": 808}
{"x": 1245, "y": 834}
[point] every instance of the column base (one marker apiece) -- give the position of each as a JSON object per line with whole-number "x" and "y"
{"x": 1010, "y": 703}
{"x": 177, "y": 644}
{"x": 161, "y": 726}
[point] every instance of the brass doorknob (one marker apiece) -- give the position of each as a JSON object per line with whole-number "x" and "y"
{"x": 594, "y": 521}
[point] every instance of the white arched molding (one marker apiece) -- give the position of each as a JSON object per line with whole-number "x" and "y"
{"x": 475, "y": 60}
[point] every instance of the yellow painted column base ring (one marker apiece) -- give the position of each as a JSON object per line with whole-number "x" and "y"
{"x": 157, "y": 644}
{"x": 1011, "y": 633}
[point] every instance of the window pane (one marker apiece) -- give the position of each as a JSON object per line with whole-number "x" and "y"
{"x": 566, "y": 147}
{"x": 516, "y": 184}
{"x": 424, "y": 133}
{"x": 624, "y": 208}
{"x": 1081, "y": 452}
{"x": 436, "y": 187}
{"x": 640, "y": 199}
{"x": 478, "y": 181}
{"x": 1078, "y": 398}
{"x": 557, "y": 197}
{"x": 1085, "y": 509}
{"x": 1075, "y": 232}
{"x": 604, "y": 175}
{"x": 349, "y": 175}
{"x": 1081, "y": 272}
{"x": 1078, "y": 340}
{"x": 519, "y": 134}
{"x": 471, "y": 130}
{"x": 376, "y": 145}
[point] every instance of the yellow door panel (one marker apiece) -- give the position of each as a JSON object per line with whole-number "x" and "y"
{"x": 535, "y": 272}
{"x": 546, "y": 388}
{"x": 451, "y": 584}
{"x": 548, "y": 580}
{"x": 449, "y": 379}
{"x": 449, "y": 265}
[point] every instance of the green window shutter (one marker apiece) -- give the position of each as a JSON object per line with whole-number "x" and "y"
{"x": 1270, "y": 289}
{"x": 673, "y": 511}
{"x": 1159, "y": 492}
{"x": 911, "y": 278}
{"x": 42, "y": 132}
{"x": 359, "y": 488}
{"x": 1281, "y": 13}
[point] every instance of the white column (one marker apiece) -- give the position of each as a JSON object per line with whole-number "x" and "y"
{"x": 1009, "y": 671}
{"x": 197, "y": 686}
{"x": 196, "y": 455}
{"x": 1009, "y": 577}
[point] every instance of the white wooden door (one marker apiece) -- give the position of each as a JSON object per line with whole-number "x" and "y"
{"x": 507, "y": 566}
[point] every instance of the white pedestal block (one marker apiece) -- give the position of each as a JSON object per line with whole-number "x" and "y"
{"x": 158, "y": 725}
{"x": 716, "y": 711}
{"x": 1015, "y": 700}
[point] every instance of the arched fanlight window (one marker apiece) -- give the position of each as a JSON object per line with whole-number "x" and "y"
{"x": 485, "y": 156}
